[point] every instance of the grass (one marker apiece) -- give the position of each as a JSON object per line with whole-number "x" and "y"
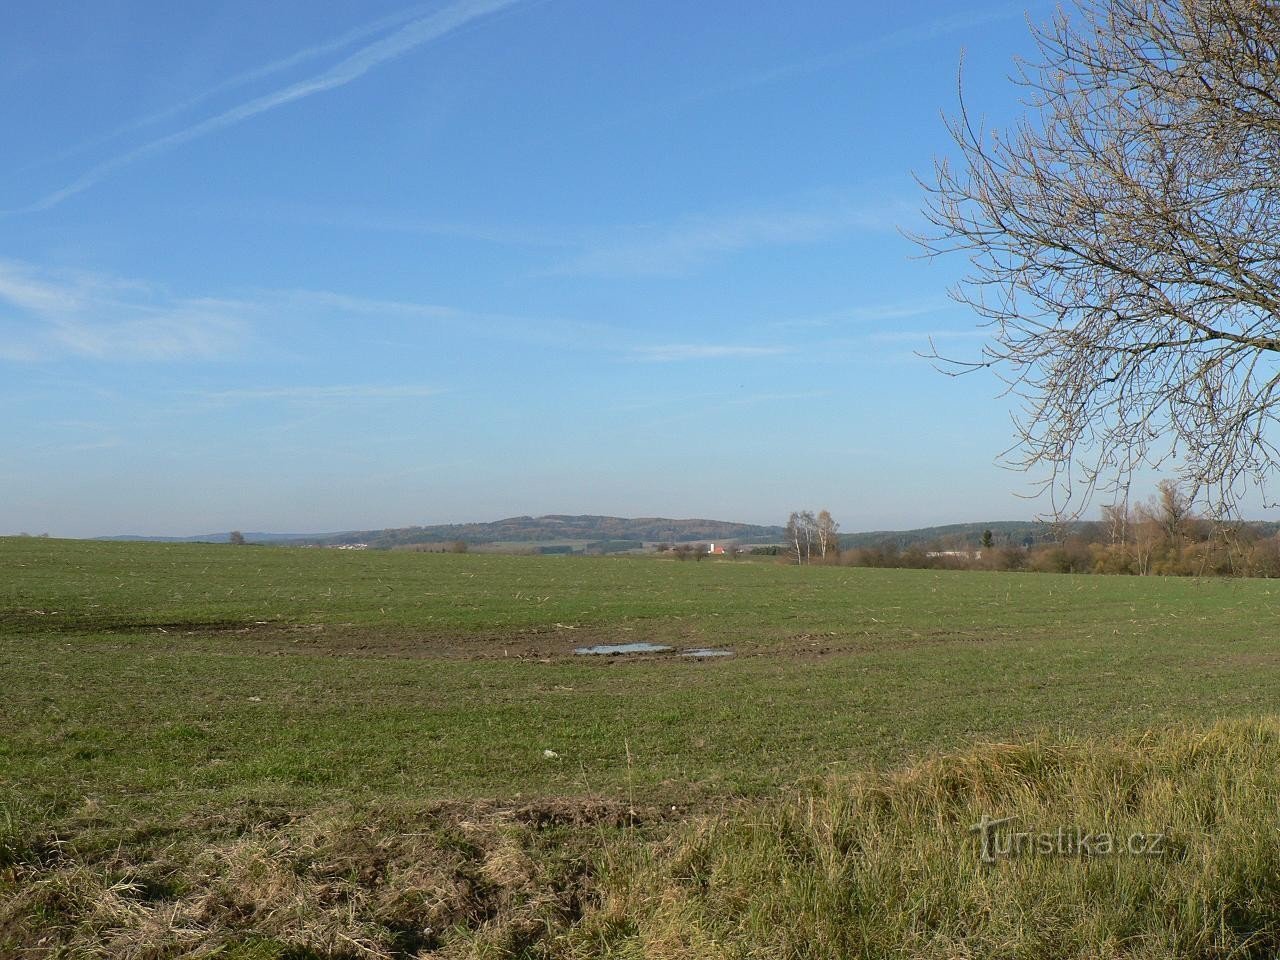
{"x": 166, "y": 702}
{"x": 887, "y": 865}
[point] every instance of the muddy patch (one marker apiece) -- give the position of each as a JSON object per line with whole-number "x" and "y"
{"x": 550, "y": 643}
{"x": 280, "y": 638}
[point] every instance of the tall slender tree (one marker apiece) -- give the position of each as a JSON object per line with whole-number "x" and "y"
{"x": 827, "y": 530}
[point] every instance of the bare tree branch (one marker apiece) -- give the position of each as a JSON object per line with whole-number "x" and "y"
{"x": 1124, "y": 239}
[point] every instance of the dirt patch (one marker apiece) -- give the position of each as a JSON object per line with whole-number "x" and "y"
{"x": 551, "y": 643}
{"x": 37, "y": 620}
{"x": 277, "y": 638}
{"x": 1243, "y": 660}
{"x": 395, "y": 642}
{"x": 542, "y": 644}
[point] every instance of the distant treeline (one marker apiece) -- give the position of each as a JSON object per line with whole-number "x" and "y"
{"x": 958, "y": 535}
{"x": 1162, "y": 536}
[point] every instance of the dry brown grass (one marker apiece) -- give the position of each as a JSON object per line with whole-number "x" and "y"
{"x": 452, "y": 881}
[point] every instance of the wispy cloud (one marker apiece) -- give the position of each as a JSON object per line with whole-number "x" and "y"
{"x": 58, "y": 312}
{"x": 546, "y": 331}
{"x": 693, "y": 409}
{"x": 86, "y": 446}
{"x": 397, "y": 44}
{"x": 381, "y": 221}
{"x": 19, "y": 353}
{"x": 343, "y": 392}
{"x": 714, "y": 401}
{"x": 915, "y": 34}
{"x": 188, "y": 331}
{"x": 777, "y": 397}
{"x": 316, "y": 51}
{"x": 870, "y": 313}
{"x": 908, "y": 36}
{"x": 679, "y": 248}
{"x": 676, "y": 352}
{"x": 924, "y": 336}
{"x": 346, "y": 303}
{"x": 46, "y": 314}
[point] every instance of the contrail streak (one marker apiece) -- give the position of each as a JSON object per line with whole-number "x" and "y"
{"x": 397, "y": 44}
{"x": 352, "y": 36}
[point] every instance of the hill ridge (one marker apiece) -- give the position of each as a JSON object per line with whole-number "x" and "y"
{"x": 588, "y": 527}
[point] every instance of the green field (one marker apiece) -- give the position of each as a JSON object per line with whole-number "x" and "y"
{"x": 157, "y": 697}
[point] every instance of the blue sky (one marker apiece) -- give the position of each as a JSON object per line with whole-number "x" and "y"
{"x": 317, "y": 266}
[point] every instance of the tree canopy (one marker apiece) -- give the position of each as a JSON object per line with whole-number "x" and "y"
{"x": 1124, "y": 240}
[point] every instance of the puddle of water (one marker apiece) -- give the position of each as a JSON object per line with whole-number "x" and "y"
{"x": 621, "y": 648}
{"x": 706, "y": 652}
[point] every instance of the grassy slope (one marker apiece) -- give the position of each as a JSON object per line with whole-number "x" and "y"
{"x": 119, "y": 721}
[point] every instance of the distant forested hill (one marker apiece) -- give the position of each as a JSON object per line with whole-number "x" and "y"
{"x": 1017, "y": 532}
{"x": 563, "y": 527}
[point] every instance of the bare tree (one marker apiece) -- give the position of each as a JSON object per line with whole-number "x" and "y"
{"x": 1173, "y": 510}
{"x": 1161, "y": 527}
{"x": 827, "y": 528}
{"x": 802, "y": 534}
{"x": 809, "y": 524}
{"x": 235, "y": 538}
{"x": 1146, "y": 534}
{"x": 1116, "y": 520}
{"x": 794, "y": 536}
{"x": 1124, "y": 237}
